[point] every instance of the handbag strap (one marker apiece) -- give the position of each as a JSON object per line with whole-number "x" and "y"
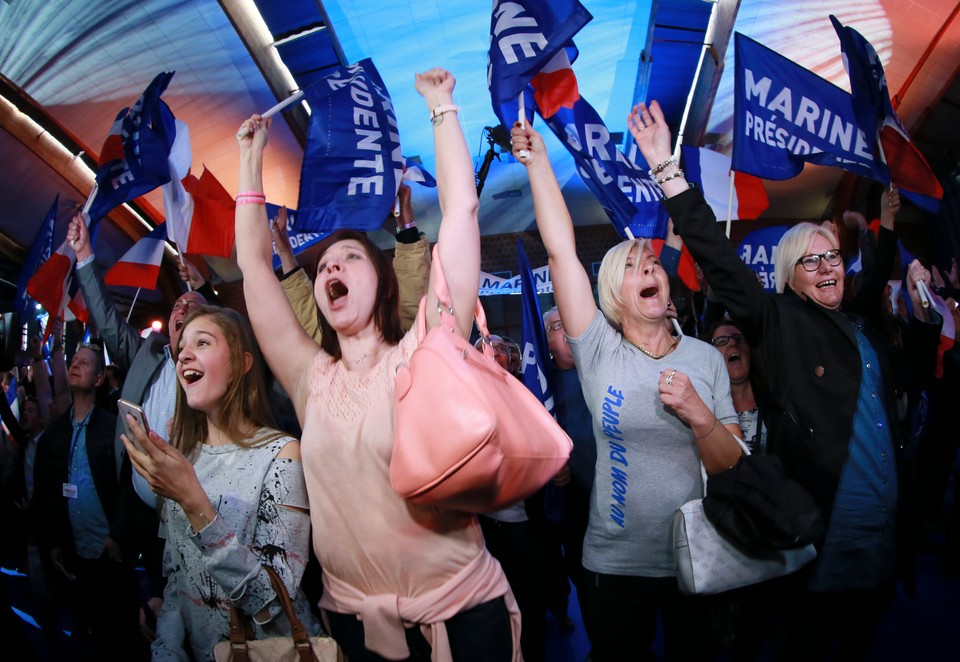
{"x": 703, "y": 469}
{"x": 239, "y": 634}
{"x": 445, "y": 307}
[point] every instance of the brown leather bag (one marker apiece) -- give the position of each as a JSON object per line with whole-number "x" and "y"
{"x": 299, "y": 647}
{"x": 470, "y": 436}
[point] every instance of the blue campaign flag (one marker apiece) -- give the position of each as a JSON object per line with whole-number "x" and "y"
{"x": 890, "y": 142}
{"x": 352, "y": 163}
{"x": 758, "y": 250}
{"x": 133, "y": 160}
{"x": 413, "y": 171}
{"x": 785, "y": 115}
{"x": 533, "y": 347}
{"x": 524, "y": 37}
{"x": 299, "y": 241}
{"x": 39, "y": 253}
{"x": 624, "y": 189}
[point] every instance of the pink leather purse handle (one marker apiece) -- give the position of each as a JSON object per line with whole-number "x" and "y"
{"x": 445, "y": 308}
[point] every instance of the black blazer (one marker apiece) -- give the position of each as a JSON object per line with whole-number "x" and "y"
{"x": 51, "y": 471}
{"x": 806, "y": 355}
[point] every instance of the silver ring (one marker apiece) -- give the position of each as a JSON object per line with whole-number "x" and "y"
{"x": 670, "y": 377}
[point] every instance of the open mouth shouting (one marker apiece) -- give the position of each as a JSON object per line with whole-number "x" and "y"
{"x": 336, "y": 290}
{"x": 191, "y": 375}
{"x": 649, "y": 292}
{"x": 830, "y": 282}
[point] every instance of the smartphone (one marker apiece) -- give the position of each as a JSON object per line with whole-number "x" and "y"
{"x": 126, "y": 407}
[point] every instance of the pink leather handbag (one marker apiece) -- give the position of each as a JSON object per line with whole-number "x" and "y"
{"x": 470, "y": 436}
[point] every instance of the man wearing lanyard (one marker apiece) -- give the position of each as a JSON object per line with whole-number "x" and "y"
{"x": 76, "y": 484}
{"x": 150, "y": 382}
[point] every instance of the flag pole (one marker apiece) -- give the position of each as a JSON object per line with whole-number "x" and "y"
{"x": 294, "y": 97}
{"x": 522, "y": 118}
{"x": 730, "y": 204}
{"x": 132, "y": 304}
{"x": 184, "y": 265}
{"x": 89, "y": 203}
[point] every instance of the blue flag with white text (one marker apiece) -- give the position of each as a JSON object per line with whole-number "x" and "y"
{"x": 133, "y": 160}
{"x": 299, "y": 241}
{"x": 352, "y": 164}
{"x": 624, "y": 189}
{"x": 785, "y": 115}
{"x": 39, "y": 253}
{"x": 533, "y": 345}
{"x": 904, "y": 165}
{"x": 524, "y": 37}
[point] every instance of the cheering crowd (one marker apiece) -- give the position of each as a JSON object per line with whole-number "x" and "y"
{"x": 259, "y": 447}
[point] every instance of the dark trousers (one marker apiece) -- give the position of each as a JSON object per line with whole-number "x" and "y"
{"x": 480, "y": 634}
{"x": 105, "y": 606}
{"x": 624, "y": 616}
{"x": 834, "y": 625}
{"x": 519, "y": 548}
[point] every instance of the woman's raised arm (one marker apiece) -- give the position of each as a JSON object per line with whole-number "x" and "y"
{"x": 285, "y": 345}
{"x": 570, "y": 281}
{"x": 459, "y": 236}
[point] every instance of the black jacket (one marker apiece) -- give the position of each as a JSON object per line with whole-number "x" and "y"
{"x": 806, "y": 355}
{"x": 51, "y": 471}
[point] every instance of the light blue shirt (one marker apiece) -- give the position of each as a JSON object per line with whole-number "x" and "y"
{"x": 89, "y": 522}
{"x": 858, "y": 552}
{"x": 158, "y": 405}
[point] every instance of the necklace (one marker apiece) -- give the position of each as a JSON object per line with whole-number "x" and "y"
{"x": 651, "y": 354}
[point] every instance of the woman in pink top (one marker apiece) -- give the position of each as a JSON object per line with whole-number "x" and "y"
{"x": 400, "y": 581}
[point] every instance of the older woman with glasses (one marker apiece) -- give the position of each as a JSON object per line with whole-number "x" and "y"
{"x": 831, "y": 406}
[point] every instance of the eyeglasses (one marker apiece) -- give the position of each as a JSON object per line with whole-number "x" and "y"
{"x": 184, "y": 305}
{"x": 721, "y": 341}
{"x": 555, "y": 326}
{"x": 812, "y": 262}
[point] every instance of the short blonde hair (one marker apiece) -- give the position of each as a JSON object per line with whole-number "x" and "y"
{"x": 610, "y": 277}
{"x": 794, "y": 245}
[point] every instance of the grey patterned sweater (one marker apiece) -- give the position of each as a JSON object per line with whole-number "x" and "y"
{"x": 223, "y": 562}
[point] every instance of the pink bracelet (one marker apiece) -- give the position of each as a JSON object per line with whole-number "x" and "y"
{"x": 251, "y": 194}
{"x": 250, "y": 201}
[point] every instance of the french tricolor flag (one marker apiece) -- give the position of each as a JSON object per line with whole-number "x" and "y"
{"x": 555, "y": 86}
{"x": 50, "y": 284}
{"x": 710, "y": 170}
{"x": 140, "y": 266}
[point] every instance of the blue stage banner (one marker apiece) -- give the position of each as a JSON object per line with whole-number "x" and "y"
{"x": 785, "y": 115}
{"x": 352, "y": 163}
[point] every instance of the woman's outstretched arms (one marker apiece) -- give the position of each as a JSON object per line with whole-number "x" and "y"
{"x": 571, "y": 284}
{"x": 285, "y": 345}
{"x": 459, "y": 236}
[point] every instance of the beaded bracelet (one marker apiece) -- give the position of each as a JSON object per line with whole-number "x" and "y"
{"x": 656, "y": 170}
{"x": 663, "y": 180}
